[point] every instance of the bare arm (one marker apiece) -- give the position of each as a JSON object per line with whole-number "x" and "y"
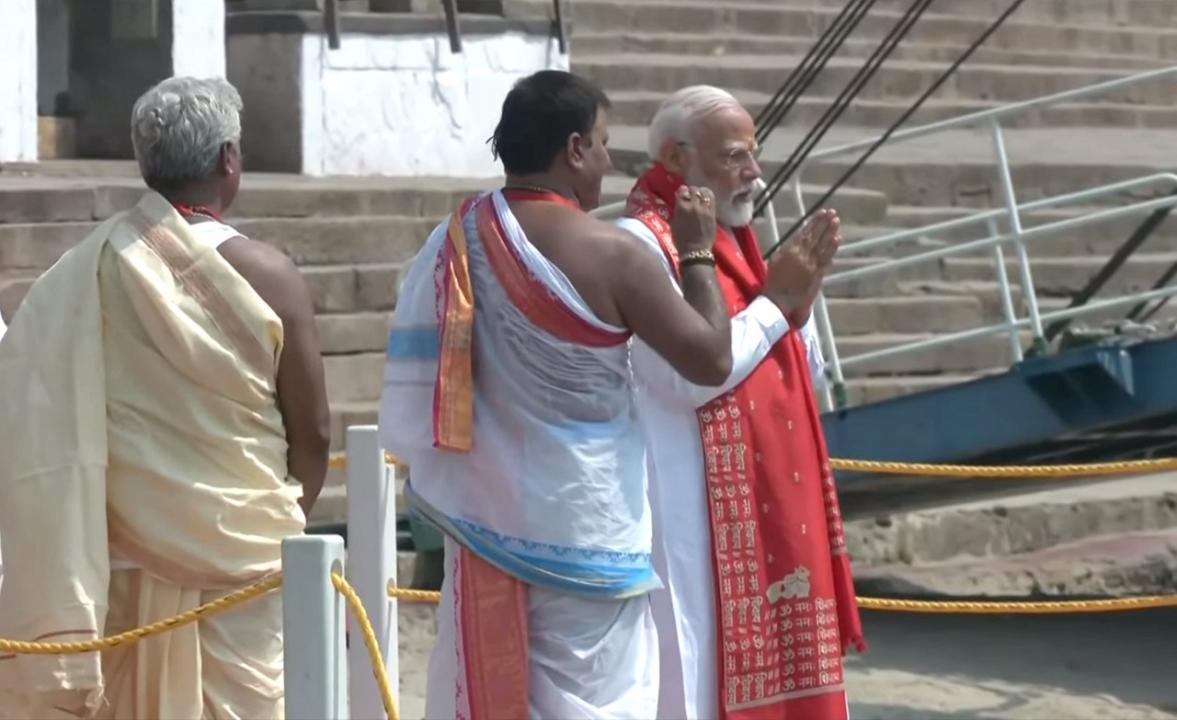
{"x": 301, "y": 388}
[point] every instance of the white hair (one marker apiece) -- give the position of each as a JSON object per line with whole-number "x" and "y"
{"x": 179, "y": 126}
{"x": 680, "y": 114}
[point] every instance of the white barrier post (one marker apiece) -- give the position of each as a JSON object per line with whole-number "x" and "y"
{"x": 315, "y": 653}
{"x": 371, "y": 547}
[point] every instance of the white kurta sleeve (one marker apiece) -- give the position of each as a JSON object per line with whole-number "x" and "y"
{"x": 754, "y": 331}
{"x": 813, "y": 354}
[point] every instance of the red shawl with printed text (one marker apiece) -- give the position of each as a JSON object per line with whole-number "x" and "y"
{"x": 784, "y": 594}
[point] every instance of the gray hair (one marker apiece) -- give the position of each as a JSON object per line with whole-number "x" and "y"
{"x": 680, "y": 113}
{"x": 179, "y": 126}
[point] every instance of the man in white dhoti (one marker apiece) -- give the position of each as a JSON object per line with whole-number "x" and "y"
{"x": 744, "y": 509}
{"x": 163, "y": 402}
{"x": 512, "y": 331}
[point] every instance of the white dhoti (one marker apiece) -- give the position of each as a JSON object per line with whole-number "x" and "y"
{"x": 587, "y": 658}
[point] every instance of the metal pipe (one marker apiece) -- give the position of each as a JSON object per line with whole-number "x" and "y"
{"x": 976, "y": 333}
{"x": 1007, "y": 301}
{"x": 1041, "y": 204}
{"x": 1044, "y": 230}
{"x": 1029, "y": 294}
{"x": 825, "y": 332}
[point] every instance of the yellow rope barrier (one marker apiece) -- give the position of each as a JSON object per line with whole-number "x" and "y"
{"x": 1013, "y": 607}
{"x": 955, "y": 607}
{"x": 216, "y": 607}
{"x": 1126, "y": 467}
{"x": 209, "y": 609}
{"x": 1123, "y": 467}
{"x": 373, "y": 645}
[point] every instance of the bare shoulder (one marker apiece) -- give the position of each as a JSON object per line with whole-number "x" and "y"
{"x": 628, "y": 256}
{"x": 268, "y": 270}
{"x": 610, "y": 241}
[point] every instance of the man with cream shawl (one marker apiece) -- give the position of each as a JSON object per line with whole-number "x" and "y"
{"x": 163, "y": 400}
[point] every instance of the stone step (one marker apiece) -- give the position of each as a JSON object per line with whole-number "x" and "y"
{"x": 308, "y": 241}
{"x": 924, "y": 313}
{"x": 940, "y": 546}
{"x": 898, "y": 80}
{"x": 988, "y": 295}
{"x": 361, "y": 332}
{"x": 94, "y": 190}
{"x": 1124, "y": 564}
{"x": 968, "y": 357}
{"x": 985, "y": 292}
{"x": 718, "y": 45}
{"x": 1064, "y": 276}
{"x": 863, "y": 390}
{"x": 351, "y": 288}
{"x": 637, "y": 107}
{"x": 758, "y": 18}
{"x": 354, "y": 378}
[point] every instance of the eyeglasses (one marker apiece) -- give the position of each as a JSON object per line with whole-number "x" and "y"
{"x": 738, "y": 157}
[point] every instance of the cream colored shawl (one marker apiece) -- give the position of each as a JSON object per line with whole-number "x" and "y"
{"x": 138, "y": 421}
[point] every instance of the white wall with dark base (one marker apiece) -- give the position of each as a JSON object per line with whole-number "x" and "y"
{"x": 18, "y": 81}
{"x": 198, "y": 38}
{"x": 406, "y": 105}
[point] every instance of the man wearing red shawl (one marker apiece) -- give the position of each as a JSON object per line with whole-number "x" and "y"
{"x": 747, "y": 499}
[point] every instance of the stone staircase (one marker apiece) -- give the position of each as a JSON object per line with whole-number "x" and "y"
{"x": 353, "y": 237}
{"x": 639, "y": 50}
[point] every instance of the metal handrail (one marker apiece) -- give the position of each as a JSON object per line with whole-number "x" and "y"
{"x": 1012, "y": 212}
{"x": 996, "y": 214}
{"x": 1038, "y": 231}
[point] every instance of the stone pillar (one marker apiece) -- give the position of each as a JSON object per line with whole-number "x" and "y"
{"x": 18, "y": 81}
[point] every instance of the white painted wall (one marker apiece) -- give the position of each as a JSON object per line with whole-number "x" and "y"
{"x": 198, "y": 38}
{"x": 18, "y": 81}
{"x": 405, "y": 105}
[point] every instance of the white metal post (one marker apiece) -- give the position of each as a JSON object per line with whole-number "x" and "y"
{"x": 314, "y": 652}
{"x": 371, "y": 547}
{"x": 825, "y": 332}
{"x": 772, "y": 234}
{"x": 1029, "y": 294}
{"x": 1007, "y": 300}
{"x": 798, "y": 193}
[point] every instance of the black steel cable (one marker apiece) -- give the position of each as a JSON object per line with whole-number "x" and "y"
{"x": 832, "y": 113}
{"x": 898, "y": 123}
{"x": 810, "y": 67}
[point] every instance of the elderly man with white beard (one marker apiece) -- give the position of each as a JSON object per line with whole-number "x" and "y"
{"x": 759, "y": 603}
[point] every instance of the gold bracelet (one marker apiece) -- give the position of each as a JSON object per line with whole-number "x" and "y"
{"x": 697, "y": 257}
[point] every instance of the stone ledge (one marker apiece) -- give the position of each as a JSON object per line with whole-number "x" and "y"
{"x": 309, "y": 23}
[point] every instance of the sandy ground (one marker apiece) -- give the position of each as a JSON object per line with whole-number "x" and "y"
{"x": 1112, "y": 666}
